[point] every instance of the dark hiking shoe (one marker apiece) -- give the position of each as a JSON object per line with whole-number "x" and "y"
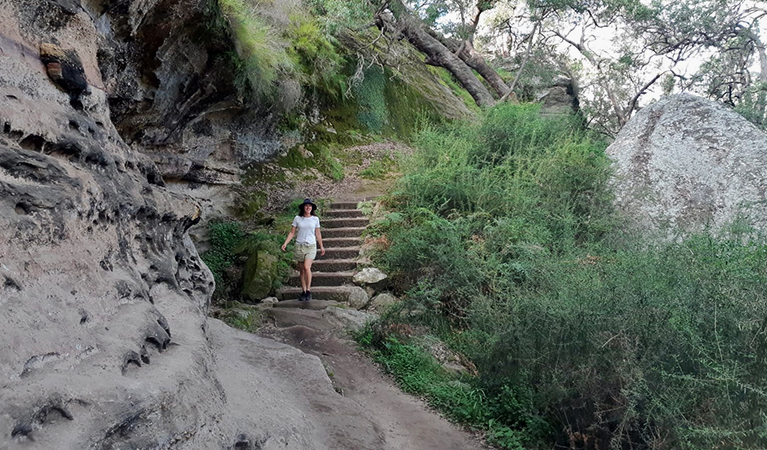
{"x": 303, "y": 296}
{"x": 308, "y": 296}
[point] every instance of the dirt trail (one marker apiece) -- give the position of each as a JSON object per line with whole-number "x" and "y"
{"x": 405, "y": 422}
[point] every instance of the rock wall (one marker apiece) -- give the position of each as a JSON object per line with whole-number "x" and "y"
{"x": 686, "y": 164}
{"x": 104, "y": 340}
{"x": 102, "y": 295}
{"x": 171, "y": 90}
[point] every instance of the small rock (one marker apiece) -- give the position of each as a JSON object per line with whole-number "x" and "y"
{"x": 358, "y": 298}
{"x": 269, "y": 301}
{"x": 347, "y": 318}
{"x": 305, "y": 153}
{"x": 382, "y": 301}
{"x": 372, "y": 277}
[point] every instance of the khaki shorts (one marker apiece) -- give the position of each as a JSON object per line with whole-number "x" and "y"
{"x": 305, "y": 251}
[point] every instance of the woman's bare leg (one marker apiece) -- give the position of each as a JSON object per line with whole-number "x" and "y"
{"x": 308, "y": 273}
{"x": 302, "y": 277}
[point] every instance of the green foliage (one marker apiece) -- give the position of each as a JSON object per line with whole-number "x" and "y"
{"x": 259, "y": 61}
{"x": 506, "y": 245}
{"x": 447, "y": 79}
{"x": 753, "y": 105}
{"x": 322, "y": 159}
{"x": 224, "y": 238}
{"x": 315, "y": 54}
{"x": 340, "y": 15}
{"x": 378, "y": 169}
{"x": 459, "y": 396}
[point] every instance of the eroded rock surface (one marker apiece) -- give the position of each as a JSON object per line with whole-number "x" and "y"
{"x": 686, "y": 164}
{"x": 104, "y": 341}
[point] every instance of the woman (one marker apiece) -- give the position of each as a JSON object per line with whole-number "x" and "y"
{"x": 308, "y": 226}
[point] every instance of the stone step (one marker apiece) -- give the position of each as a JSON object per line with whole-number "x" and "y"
{"x": 341, "y": 242}
{"x": 325, "y": 279}
{"x": 341, "y": 253}
{"x": 344, "y": 205}
{"x": 334, "y": 293}
{"x": 334, "y": 265}
{"x": 312, "y": 304}
{"x": 345, "y": 223}
{"x": 343, "y": 213}
{"x": 342, "y": 232}
{"x": 305, "y": 314}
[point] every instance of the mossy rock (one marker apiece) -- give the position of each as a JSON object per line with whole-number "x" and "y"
{"x": 261, "y": 272}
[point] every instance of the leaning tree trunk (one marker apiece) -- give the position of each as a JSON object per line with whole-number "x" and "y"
{"x": 466, "y": 52}
{"x": 439, "y": 55}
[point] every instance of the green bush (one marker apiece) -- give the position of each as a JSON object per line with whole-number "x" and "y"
{"x": 507, "y": 246}
{"x": 459, "y": 396}
{"x": 224, "y": 238}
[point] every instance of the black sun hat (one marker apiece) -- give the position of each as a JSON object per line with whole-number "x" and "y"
{"x": 307, "y": 201}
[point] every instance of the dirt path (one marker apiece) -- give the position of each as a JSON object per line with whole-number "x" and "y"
{"x": 404, "y": 421}
{"x": 398, "y": 420}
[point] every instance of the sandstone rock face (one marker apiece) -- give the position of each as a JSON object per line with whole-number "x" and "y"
{"x": 686, "y": 164}
{"x": 559, "y": 99}
{"x": 104, "y": 340}
{"x": 173, "y": 95}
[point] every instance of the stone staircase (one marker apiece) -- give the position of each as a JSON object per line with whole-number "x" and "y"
{"x": 342, "y": 226}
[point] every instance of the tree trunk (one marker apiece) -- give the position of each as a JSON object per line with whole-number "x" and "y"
{"x": 465, "y": 51}
{"x": 439, "y": 55}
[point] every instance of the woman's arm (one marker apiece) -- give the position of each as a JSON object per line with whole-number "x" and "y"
{"x": 290, "y": 236}
{"x": 318, "y": 235}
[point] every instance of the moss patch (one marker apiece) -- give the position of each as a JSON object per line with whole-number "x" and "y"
{"x": 237, "y": 315}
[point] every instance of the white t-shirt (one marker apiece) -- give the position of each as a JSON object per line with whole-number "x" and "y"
{"x": 305, "y": 227}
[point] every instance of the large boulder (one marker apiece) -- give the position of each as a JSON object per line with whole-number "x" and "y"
{"x": 686, "y": 164}
{"x": 261, "y": 272}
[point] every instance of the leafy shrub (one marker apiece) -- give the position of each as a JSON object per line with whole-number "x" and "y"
{"x": 459, "y": 396}
{"x": 224, "y": 238}
{"x": 507, "y": 246}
